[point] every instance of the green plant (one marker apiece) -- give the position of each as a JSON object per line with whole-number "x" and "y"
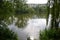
{"x": 50, "y": 34}
{"x": 6, "y": 34}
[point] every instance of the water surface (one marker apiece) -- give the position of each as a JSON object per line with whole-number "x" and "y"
{"x": 32, "y": 28}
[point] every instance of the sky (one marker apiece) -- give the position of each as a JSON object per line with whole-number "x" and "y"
{"x": 37, "y": 1}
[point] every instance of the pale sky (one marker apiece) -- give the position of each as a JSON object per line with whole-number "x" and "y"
{"x": 37, "y": 1}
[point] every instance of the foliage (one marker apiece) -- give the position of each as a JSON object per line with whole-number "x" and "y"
{"x": 9, "y": 9}
{"x": 22, "y": 12}
{"x": 54, "y": 11}
{"x": 6, "y": 9}
{"x": 54, "y": 32}
{"x": 17, "y": 8}
{"x": 28, "y": 38}
{"x": 40, "y": 10}
{"x": 50, "y": 34}
{"x": 5, "y": 33}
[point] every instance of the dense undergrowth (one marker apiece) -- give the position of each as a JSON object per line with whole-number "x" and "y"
{"x": 50, "y": 34}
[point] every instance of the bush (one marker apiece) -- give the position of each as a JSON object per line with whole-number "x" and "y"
{"x": 50, "y": 34}
{"x": 6, "y": 34}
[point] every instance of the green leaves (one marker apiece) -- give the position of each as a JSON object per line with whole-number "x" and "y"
{"x": 50, "y": 34}
{"x": 6, "y": 10}
{"x": 5, "y": 33}
{"x": 54, "y": 11}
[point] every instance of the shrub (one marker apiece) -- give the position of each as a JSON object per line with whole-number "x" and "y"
{"x": 50, "y": 34}
{"x": 6, "y": 34}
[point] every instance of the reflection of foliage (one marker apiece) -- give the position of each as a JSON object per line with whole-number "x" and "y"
{"x": 5, "y": 33}
{"x": 22, "y": 12}
{"x": 50, "y": 34}
{"x": 22, "y": 22}
{"x": 16, "y": 8}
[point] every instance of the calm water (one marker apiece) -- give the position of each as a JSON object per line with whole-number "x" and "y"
{"x": 32, "y": 28}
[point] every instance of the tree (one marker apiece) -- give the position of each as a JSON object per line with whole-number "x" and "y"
{"x": 22, "y": 12}
{"x": 54, "y": 32}
{"x": 6, "y": 9}
{"x": 54, "y": 10}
